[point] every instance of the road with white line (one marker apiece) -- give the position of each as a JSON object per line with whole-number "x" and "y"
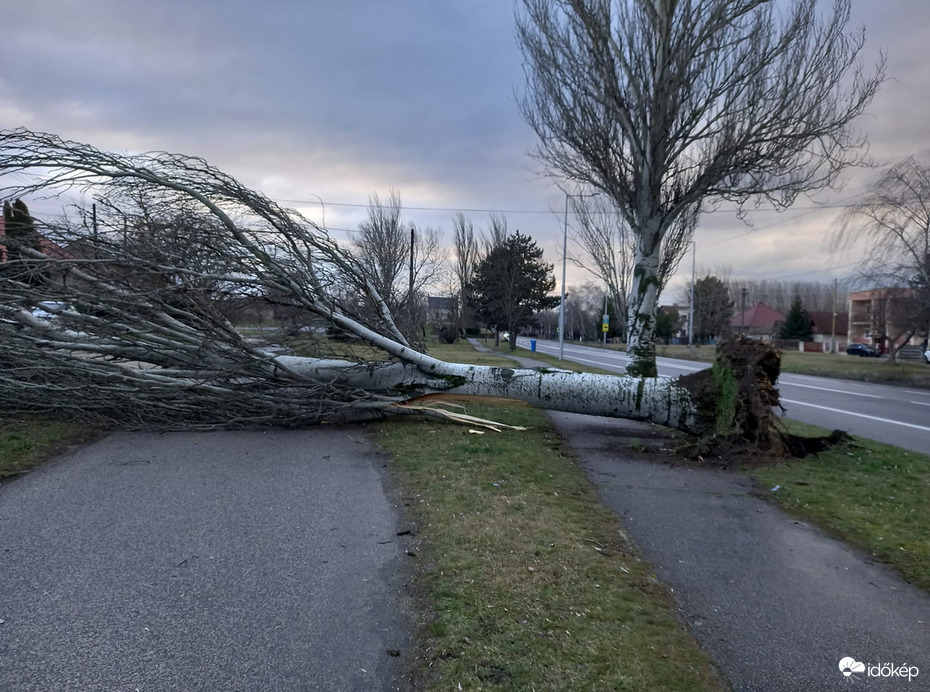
{"x": 896, "y": 415}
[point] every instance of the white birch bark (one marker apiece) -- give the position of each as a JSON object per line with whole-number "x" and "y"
{"x": 656, "y": 400}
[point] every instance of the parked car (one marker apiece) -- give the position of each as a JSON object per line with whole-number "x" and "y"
{"x": 862, "y": 350}
{"x": 927, "y": 356}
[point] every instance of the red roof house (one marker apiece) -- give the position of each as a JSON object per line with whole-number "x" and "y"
{"x": 758, "y": 322}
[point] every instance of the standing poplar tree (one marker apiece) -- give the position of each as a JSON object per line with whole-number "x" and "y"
{"x": 666, "y": 105}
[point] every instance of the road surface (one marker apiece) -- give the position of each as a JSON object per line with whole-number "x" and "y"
{"x": 895, "y": 415}
{"x": 233, "y": 561}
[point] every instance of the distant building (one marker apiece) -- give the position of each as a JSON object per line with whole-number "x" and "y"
{"x": 441, "y": 310}
{"x": 823, "y": 326}
{"x": 879, "y": 316}
{"x": 757, "y": 322}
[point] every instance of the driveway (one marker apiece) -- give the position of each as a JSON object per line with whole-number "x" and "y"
{"x": 208, "y": 561}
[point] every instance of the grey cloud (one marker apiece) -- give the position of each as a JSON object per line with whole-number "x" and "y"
{"x": 344, "y": 98}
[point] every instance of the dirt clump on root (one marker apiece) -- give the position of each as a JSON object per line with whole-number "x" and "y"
{"x": 738, "y": 403}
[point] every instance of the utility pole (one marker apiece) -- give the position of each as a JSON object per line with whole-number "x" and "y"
{"x": 742, "y": 316}
{"x": 410, "y": 286}
{"x": 833, "y": 327}
{"x": 564, "y": 263}
{"x": 691, "y": 308}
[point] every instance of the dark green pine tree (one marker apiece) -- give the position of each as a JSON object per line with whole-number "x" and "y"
{"x": 511, "y": 284}
{"x": 21, "y": 236}
{"x": 712, "y": 309}
{"x": 797, "y": 326}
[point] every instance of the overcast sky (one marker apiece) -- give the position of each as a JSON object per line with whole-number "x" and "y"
{"x": 309, "y": 100}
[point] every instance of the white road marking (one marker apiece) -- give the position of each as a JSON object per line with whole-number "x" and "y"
{"x": 827, "y": 389}
{"x": 910, "y": 391}
{"x": 919, "y": 403}
{"x": 682, "y": 367}
{"x": 858, "y": 415}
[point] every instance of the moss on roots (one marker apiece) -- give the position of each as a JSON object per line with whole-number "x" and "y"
{"x": 737, "y": 398}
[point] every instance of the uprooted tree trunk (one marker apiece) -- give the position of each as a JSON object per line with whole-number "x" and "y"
{"x": 129, "y": 323}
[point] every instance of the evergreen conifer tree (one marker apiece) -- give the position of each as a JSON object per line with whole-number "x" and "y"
{"x": 797, "y": 324}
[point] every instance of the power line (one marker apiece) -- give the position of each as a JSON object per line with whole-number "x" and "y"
{"x": 813, "y": 271}
{"x": 359, "y": 205}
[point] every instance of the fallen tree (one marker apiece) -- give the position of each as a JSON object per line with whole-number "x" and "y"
{"x": 118, "y": 314}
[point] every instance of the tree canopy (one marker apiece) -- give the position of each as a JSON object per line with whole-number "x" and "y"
{"x": 133, "y": 327}
{"x": 666, "y": 106}
{"x": 512, "y": 283}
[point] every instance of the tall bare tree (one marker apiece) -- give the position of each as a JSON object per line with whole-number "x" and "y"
{"x": 467, "y": 256}
{"x": 383, "y": 243}
{"x": 400, "y": 259}
{"x": 667, "y": 106}
{"x": 496, "y": 234}
{"x": 891, "y": 225}
{"x": 608, "y": 247}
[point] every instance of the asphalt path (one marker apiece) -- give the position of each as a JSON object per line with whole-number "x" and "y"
{"x": 211, "y": 561}
{"x": 896, "y": 415}
{"x": 776, "y": 602}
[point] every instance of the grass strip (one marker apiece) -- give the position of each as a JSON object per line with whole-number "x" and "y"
{"x": 835, "y": 365}
{"x": 871, "y": 495}
{"x": 28, "y": 441}
{"x": 528, "y": 580}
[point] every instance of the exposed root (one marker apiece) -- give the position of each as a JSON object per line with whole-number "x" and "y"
{"x": 738, "y": 401}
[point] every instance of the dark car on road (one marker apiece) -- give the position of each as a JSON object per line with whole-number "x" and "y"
{"x": 863, "y": 350}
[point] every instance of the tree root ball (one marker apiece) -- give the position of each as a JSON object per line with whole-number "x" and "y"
{"x": 739, "y": 403}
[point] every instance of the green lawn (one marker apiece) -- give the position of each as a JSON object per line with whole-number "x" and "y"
{"x": 826, "y": 365}
{"x": 872, "y": 495}
{"x": 526, "y": 579}
{"x": 26, "y": 441}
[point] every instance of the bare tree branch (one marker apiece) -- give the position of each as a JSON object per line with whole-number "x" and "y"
{"x": 121, "y": 318}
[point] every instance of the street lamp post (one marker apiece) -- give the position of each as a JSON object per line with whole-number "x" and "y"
{"x": 564, "y": 263}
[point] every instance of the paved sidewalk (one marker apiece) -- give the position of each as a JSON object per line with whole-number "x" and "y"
{"x": 209, "y": 561}
{"x": 776, "y": 602}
